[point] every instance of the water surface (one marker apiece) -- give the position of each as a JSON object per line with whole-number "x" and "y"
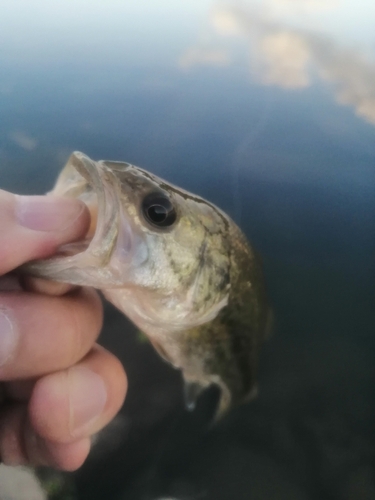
{"x": 268, "y": 110}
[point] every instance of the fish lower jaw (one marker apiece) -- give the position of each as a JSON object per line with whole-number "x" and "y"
{"x": 82, "y": 264}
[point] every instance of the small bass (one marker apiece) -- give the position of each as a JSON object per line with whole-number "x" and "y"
{"x": 176, "y": 265}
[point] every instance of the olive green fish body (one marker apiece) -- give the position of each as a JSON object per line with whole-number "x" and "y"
{"x": 230, "y": 343}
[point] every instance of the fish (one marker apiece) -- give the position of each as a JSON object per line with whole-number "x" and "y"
{"x": 176, "y": 265}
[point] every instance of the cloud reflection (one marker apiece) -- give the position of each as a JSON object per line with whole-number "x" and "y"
{"x": 285, "y": 60}
{"x": 291, "y": 58}
{"x": 23, "y": 140}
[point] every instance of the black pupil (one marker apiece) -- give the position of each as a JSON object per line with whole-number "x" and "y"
{"x": 157, "y": 213}
{"x": 158, "y": 210}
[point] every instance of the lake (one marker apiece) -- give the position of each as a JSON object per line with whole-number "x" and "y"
{"x": 266, "y": 109}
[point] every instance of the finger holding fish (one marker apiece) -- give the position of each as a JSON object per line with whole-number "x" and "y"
{"x": 43, "y": 333}
{"x": 58, "y": 411}
{"x": 40, "y": 285}
{"x": 49, "y": 421}
{"x": 20, "y": 444}
{"x": 47, "y": 327}
{"x": 33, "y": 227}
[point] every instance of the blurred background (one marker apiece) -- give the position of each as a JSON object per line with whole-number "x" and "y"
{"x": 266, "y": 108}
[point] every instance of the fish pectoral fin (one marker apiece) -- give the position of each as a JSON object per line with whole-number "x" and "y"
{"x": 192, "y": 390}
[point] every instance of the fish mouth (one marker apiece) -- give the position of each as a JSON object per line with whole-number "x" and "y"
{"x": 101, "y": 258}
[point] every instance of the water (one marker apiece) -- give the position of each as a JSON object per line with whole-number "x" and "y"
{"x": 267, "y": 109}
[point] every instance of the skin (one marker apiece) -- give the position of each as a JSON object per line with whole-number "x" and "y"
{"x": 54, "y": 362}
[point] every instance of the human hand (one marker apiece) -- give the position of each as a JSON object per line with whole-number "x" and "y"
{"x": 57, "y": 387}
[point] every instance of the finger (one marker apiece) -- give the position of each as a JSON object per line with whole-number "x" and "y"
{"x": 40, "y": 285}
{"x": 78, "y": 402}
{"x": 34, "y": 227}
{"x": 68, "y": 457}
{"x": 41, "y": 334}
{"x": 21, "y": 445}
{"x": 12, "y": 282}
{"x": 41, "y": 452}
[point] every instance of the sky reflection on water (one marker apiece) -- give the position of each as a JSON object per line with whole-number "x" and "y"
{"x": 229, "y": 99}
{"x": 282, "y": 69}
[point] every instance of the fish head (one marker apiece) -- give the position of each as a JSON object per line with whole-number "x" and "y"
{"x": 159, "y": 253}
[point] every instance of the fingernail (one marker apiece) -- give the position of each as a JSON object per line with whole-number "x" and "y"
{"x": 47, "y": 213}
{"x": 87, "y": 396}
{"x": 8, "y": 338}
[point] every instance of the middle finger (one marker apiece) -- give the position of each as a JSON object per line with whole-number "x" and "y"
{"x": 40, "y": 334}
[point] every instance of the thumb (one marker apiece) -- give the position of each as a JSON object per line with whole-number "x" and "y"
{"x": 33, "y": 227}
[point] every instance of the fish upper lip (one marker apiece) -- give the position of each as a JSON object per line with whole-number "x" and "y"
{"x": 85, "y": 262}
{"x": 107, "y": 226}
{"x": 84, "y": 165}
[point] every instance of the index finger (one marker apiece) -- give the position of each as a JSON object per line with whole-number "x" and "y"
{"x": 33, "y": 227}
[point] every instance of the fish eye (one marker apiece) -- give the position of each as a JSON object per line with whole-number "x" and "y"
{"x": 158, "y": 210}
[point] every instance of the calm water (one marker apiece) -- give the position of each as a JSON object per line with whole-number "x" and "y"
{"x": 267, "y": 109}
